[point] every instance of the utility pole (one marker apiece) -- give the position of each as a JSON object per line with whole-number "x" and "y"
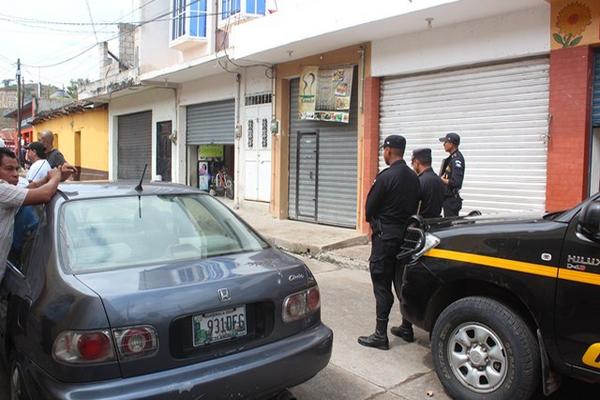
{"x": 19, "y": 134}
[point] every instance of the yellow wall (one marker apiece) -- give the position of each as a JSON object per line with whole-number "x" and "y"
{"x": 93, "y": 125}
{"x": 574, "y": 23}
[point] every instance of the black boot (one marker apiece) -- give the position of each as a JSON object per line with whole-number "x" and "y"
{"x": 379, "y": 339}
{"x": 404, "y": 331}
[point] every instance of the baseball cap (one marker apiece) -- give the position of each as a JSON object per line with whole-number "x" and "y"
{"x": 451, "y": 137}
{"x": 394, "y": 141}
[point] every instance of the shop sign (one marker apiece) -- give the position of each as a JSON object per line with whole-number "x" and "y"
{"x": 325, "y": 94}
{"x": 210, "y": 151}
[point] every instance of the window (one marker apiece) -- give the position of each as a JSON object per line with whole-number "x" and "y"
{"x": 188, "y": 19}
{"x": 250, "y": 133}
{"x": 255, "y": 7}
{"x": 27, "y": 222}
{"x": 229, "y": 8}
{"x": 248, "y": 7}
{"x": 265, "y": 133}
{"x": 121, "y": 232}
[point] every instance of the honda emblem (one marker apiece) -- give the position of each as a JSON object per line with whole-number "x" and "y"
{"x": 224, "y": 294}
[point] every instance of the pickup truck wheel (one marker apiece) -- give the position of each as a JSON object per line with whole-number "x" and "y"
{"x": 483, "y": 350}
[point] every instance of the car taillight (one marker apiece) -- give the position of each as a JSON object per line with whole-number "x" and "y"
{"x": 135, "y": 342}
{"x": 79, "y": 347}
{"x": 299, "y": 305}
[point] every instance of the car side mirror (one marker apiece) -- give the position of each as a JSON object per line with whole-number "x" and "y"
{"x": 589, "y": 221}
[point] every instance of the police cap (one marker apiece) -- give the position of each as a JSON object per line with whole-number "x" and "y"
{"x": 422, "y": 155}
{"x": 395, "y": 141}
{"x": 451, "y": 137}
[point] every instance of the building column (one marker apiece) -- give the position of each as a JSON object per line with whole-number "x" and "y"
{"x": 370, "y": 154}
{"x": 568, "y": 146}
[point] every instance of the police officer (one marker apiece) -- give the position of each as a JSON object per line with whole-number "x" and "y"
{"x": 432, "y": 186}
{"x": 452, "y": 174}
{"x": 393, "y": 198}
{"x": 430, "y": 206}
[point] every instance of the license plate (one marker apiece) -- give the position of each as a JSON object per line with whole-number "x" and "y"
{"x": 217, "y": 326}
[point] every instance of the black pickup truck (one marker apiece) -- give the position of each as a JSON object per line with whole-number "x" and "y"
{"x": 511, "y": 304}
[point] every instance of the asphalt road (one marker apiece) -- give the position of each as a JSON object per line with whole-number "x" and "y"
{"x": 405, "y": 372}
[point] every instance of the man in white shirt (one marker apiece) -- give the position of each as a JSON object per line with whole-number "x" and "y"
{"x": 12, "y": 197}
{"x": 36, "y": 155}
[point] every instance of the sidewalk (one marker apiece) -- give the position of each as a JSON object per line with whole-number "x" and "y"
{"x": 342, "y": 246}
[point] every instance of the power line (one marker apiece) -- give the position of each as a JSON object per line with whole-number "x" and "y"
{"x": 87, "y": 3}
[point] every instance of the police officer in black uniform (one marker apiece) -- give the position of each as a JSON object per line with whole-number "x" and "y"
{"x": 432, "y": 186}
{"x": 430, "y": 206}
{"x": 452, "y": 174}
{"x": 393, "y": 198}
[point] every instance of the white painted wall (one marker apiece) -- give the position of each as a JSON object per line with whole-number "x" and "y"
{"x": 213, "y": 88}
{"x": 162, "y": 104}
{"x": 154, "y": 37}
{"x": 519, "y": 34}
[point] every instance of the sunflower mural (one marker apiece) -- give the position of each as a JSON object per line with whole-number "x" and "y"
{"x": 572, "y": 21}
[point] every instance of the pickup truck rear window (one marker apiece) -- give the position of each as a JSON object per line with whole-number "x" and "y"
{"x": 120, "y": 232}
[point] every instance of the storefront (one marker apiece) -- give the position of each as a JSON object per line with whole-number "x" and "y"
{"x": 134, "y": 144}
{"x": 501, "y": 113}
{"x": 210, "y": 140}
{"x": 318, "y": 152}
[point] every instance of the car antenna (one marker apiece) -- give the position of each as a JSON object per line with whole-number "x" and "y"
{"x": 139, "y": 187}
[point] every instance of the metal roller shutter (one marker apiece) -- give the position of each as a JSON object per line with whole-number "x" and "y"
{"x": 336, "y": 165}
{"x": 501, "y": 114}
{"x": 134, "y": 141}
{"x": 211, "y": 123}
{"x": 596, "y": 94}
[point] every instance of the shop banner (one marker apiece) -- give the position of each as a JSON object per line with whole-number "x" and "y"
{"x": 325, "y": 94}
{"x": 210, "y": 151}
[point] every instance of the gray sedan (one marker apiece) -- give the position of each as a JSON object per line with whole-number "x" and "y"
{"x": 159, "y": 293}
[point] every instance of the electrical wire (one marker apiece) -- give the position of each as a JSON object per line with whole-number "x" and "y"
{"x": 87, "y": 3}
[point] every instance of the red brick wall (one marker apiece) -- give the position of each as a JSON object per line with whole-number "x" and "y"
{"x": 568, "y": 155}
{"x": 371, "y": 141}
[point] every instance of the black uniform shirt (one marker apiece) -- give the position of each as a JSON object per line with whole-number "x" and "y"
{"x": 453, "y": 169}
{"x": 393, "y": 198}
{"x": 55, "y": 158}
{"x": 432, "y": 194}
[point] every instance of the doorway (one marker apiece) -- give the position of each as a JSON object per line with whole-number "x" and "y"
{"x": 257, "y": 153}
{"x": 306, "y": 175}
{"x": 163, "y": 150}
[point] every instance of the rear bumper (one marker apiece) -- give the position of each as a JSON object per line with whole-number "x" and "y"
{"x": 250, "y": 374}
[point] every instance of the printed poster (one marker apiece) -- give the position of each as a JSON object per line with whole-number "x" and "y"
{"x": 325, "y": 94}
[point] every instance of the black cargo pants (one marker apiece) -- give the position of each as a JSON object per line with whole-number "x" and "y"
{"x": 383, "y": 267}
{"x": 452, "y": 206}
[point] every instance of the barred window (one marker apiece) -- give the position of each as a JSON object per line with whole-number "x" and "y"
{"x": 250, "y": 133}
{"x": 265, "y": 133}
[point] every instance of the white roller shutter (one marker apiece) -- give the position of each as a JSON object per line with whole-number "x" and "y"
{"x": 501, "y": 114}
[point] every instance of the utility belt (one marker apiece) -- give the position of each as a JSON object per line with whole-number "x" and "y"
{"x": 452, "y": 193}
{"x": 387, "y": 231}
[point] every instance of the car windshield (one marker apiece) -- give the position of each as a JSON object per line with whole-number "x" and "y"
{"x": 120, "y": 232}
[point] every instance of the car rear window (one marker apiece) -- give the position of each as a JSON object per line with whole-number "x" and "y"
{"x": 120, "y": 232}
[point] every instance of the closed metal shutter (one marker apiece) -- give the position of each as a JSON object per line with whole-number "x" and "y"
{"x": 211, "y": 123}
{"x": 335, "y": 200}
{"x": 134, "y": 141}
{"x": 596, "y": 94}
{"x": 501, "y": 114}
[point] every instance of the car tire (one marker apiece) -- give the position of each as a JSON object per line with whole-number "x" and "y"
{"x": 484, "y": 350}
{"x": 17, "y": 389}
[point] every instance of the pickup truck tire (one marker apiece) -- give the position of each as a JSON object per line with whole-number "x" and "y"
{"x": 483, "y": 350}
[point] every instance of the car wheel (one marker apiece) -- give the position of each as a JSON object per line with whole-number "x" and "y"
{"x": 17, "y": 386}
{"x": 483, "y": 350}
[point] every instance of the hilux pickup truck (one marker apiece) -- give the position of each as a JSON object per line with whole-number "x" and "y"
{"x": 511, "y": 304}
